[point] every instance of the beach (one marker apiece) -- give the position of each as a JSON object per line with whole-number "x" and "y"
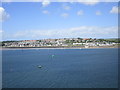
{"x": 7, "y": 48}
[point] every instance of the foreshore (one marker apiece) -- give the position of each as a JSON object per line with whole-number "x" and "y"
{"x": 96, "y": 47}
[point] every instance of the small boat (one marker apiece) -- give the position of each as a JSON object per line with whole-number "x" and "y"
{"x": 39, "y": 66}
{"x": 53, "y": 55}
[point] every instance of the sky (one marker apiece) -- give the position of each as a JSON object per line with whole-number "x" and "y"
{"x": 42, "y": 20}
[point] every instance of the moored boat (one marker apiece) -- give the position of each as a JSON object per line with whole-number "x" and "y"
{"x": 39, "y": 66}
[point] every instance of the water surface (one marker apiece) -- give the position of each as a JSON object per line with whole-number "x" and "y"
{"x": 61, "y": 68}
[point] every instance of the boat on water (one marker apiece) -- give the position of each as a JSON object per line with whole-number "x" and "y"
{"x": 53, "y": 55}
{"x": 39, "y": 66}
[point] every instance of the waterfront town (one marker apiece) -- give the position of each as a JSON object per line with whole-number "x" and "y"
{"x": 62, "y": 42}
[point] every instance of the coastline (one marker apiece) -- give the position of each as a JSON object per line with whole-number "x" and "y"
{"x": 16, "y": 48}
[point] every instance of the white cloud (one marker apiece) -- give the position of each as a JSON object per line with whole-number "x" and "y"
{"x": 115, "y": 9}
{"x": 110, "y": 0}
{"x": 45, "y": 3}
{"x": 7, "y": 0}
{"x": 89, "y": 2}
{"x": 45, "y": 12}
{"x": 1, "y": 31}
{"x": 98, "y": 13}
{"x": 80, "y": 12}
{"x": 3, "y": 14}
{"x": 64, "y": 15}
{"x": 1, "y": 34}
{"x": 66, "y": 7}
{"x": 94, "y": 2}
{"x": 82, "y": 31}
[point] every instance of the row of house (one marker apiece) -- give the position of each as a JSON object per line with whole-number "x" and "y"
{"x": 58, "y": 42}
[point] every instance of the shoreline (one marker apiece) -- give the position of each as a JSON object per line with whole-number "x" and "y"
{"x": 16, "y": 48}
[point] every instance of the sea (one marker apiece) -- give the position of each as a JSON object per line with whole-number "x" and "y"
{"x": 60, "y": 68}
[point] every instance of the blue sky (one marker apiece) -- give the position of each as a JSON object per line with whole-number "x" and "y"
{"x": 36, "y": 20}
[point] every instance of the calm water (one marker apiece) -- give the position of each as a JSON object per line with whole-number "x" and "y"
{"x": 61, "y": 68}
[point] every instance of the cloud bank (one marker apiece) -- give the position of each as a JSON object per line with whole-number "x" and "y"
{"x": 82, "y": 31}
